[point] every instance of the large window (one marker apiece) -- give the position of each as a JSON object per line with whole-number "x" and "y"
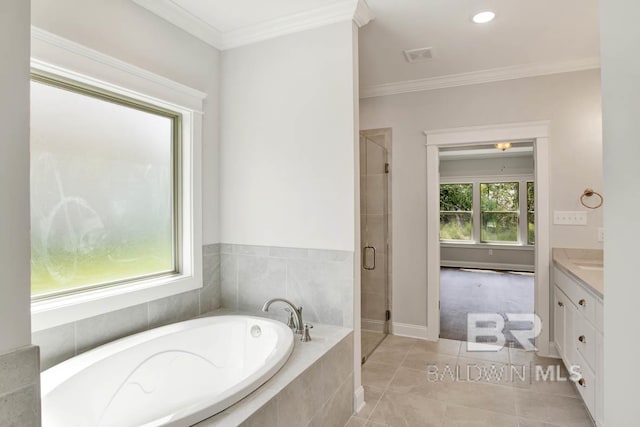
{"x": 499, "y": 212}
{"x": 488, "y": 211}
{"x": 104, "y": 188}
{"x": 456, "y": 211}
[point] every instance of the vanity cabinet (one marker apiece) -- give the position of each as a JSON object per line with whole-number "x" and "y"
{"x": 578, "y": 336}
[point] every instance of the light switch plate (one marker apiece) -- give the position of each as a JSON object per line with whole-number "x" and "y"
{"x": 600, "y": 234}
{"x": 569, "y": 218}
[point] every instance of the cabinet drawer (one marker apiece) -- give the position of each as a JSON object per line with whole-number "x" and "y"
{"x": 584, "y": 340}
{"x": 584, "y": 301}
{"x": 587, "y": 387}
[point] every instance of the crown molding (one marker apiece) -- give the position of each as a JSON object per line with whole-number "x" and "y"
{"x": 363, "y": 14}
{"x": 479, "y": 77}
{"x": 338, "y": 11}
{"x": 184, "y": 20}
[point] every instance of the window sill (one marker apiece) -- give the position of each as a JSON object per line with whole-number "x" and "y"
{"x": 499, "y": 246}
{"x": 57, "y": 311}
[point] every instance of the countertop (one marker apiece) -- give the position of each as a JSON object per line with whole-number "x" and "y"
{"x": 585, "y": 265}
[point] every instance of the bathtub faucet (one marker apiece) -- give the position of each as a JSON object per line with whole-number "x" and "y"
{"x": 297, "y": 311}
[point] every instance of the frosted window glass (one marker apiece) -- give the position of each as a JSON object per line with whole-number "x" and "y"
{"x": 102, "y": 197}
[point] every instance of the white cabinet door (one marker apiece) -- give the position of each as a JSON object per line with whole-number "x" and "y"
{"x": 559, "y": 304}
{"x": 599, "y": 380}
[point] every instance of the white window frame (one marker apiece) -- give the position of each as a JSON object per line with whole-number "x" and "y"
{"x": 68, "y": 60}
{"x": 476, "y": 231}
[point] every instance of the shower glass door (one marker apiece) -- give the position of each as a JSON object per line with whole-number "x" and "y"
{"x": 374, "y": 211}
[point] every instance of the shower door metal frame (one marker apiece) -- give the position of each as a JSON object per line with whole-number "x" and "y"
{"x": 382, "y": 137}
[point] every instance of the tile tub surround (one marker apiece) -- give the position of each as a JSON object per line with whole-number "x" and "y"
{"x": 20, "y": 388}
{"x": 65, "y": 341}
{"x": 313, "y": 389}
{"x": 399, "y": 393}
{"x": 321, "y": 281}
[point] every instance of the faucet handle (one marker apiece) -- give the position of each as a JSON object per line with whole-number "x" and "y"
{"x": 306, "y": 337}
{"x": 291, "y": 323}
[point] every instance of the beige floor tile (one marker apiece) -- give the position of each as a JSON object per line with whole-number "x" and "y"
{"x": 369, "y": 341}
{"x": 409, "y": 380}
{"x": 550, "y": 408}
{"x": 356, "y": 422}
{"x": 408, "y": 395}
{"x": 408, "y": 410}
{"x": 460, "y": 416}
{"x": 499, "y": 355}
{"x": 518, "y": 356}
{"x": 443, "y": 346}
{"x": 362, "y": 422}
{"x": 371, "y": 397}
{"x": 399, "y": 342}
{"x": 490, "y": 397}
{"x": 553, "y": 386}
{"x": 533, "y": 423}
{"x": 477, "y": 370}
{"x": 417, "y": 358}
{"x": 377, "y": 375}
{"x": 392, "y": 355}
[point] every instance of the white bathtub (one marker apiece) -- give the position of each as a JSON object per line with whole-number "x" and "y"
{"x": 175, "y": 375}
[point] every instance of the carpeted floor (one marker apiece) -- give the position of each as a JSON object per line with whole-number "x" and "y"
{"x": 478, "y": 291}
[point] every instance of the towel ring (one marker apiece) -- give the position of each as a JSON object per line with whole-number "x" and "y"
{"x": 589, "y": 193}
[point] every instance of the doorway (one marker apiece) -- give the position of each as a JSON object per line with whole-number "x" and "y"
{"x": 487, "y": 238}
{"x": 538, "y": 134}
{"x": 375, "y": 214}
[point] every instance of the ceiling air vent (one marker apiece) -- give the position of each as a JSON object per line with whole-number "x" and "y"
{"x": 415, "y": 55}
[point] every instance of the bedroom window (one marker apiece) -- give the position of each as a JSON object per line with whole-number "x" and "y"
{"x": 456, "y": 215}
{"x": 499, "y": 212}
{"x": 482, "y": 211}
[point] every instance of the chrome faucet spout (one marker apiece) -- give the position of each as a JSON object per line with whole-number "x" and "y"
{"x": 297, "y": 312}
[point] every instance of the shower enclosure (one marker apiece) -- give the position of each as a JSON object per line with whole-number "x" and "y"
{"x": 375, "y": 242}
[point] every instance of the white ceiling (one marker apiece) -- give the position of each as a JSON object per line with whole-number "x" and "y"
{"x": 526, "y": 33}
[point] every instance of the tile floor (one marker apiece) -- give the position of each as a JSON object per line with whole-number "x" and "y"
{"x": 401, "y": 389}
{"x": 370, "y": 340}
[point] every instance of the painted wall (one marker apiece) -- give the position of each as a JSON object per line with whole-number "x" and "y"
{"x": 621, "y": 109}
{"x": 570, "y": 101}
{"x": 147, "y": 41}
{"x": 15, "y": 315}
{"x": 287, "y": 154}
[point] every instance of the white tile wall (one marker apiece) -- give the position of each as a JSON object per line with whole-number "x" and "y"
{"x": 20, "y": 388}
{"x": 321, "y": 281}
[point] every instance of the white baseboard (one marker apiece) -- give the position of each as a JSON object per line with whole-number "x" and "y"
{"x": 372, "y": 325}
{"x": 413, "y": 331}
{"x": 487, "y": 265}
{"x": 358, "y": 399}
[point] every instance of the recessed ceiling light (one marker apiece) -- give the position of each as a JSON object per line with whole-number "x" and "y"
{"x": 483, "y": 17}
